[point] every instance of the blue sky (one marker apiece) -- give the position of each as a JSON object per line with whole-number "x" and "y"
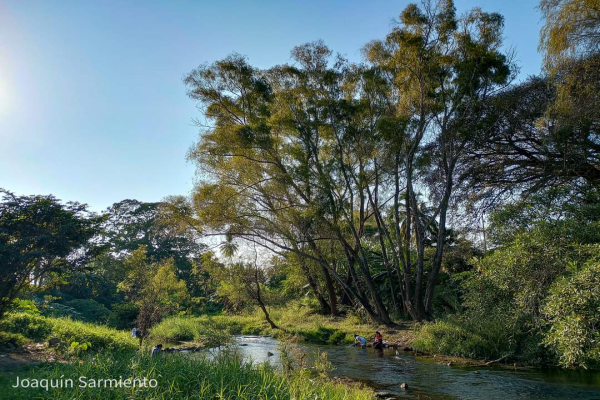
{"x": 92, "y": 106}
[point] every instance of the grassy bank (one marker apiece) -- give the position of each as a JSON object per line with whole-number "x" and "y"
{"x": 113, "y": 357}
{"x": 19, "y": 328}
{"x": 171, "y": 376}
{"x": 293, "y": 320}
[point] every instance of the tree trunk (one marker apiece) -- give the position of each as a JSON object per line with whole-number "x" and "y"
{"x": 331, "y": 292}
{"x": 314, "y": 287}
{"x": 260, "y": 301}
{"x": 267, "y": 316}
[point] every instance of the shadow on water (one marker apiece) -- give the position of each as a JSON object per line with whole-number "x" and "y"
{"x": 386, "y": 371}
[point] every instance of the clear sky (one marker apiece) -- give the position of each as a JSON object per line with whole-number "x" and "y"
{"x": 92, "y": 104}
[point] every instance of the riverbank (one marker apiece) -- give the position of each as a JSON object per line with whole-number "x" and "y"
{"x": 64, "y": 359}
{"x": 294, "y": 322}
{"x": 344, "y": 372}
{"x": 301, "y": 324}
{"x": 131, "y": 374}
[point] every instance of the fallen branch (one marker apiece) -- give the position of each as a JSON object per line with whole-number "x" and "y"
{"x": 504, "y": 357}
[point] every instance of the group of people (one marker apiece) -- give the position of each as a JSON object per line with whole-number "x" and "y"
{"x": 377, "y": 343}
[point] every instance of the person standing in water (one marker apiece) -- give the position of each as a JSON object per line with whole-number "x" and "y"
{"x": 156, "y": 350}
{"x": 359, "y": 340}
{"x": 378, "y": 341}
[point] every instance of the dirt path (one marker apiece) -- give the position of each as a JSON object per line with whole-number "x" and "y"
{"x": 25, "y": 356}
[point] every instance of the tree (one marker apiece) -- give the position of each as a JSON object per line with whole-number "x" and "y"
{"x": 242, "y": 282}
{"x": 154, "y": 287}
{"x": 571, "y": 30}
{"x": 439, "y": 70}
{"x": 523, "y": 146}
{"x": 540, "y": 245}
{"x": 41, "y": 239}
{"x": 306, "y": 158}
{"x": 132, "y": 223}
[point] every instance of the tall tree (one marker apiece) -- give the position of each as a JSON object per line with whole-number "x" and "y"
{"x": 41, "y": 239}
{"x": 440, "y": 68}
{"x": 132, "y": 223}
{"x": 307, "y": 158}
{"x": 154, "y": 287}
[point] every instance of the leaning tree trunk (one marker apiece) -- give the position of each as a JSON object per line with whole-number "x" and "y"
{"x": 260, "y": 301}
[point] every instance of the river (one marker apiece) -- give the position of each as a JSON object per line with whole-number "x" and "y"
{"x": 386, "y": 371}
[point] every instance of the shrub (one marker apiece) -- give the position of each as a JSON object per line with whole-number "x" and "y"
{"x": 573, "y": 310}
{"x": 175, "y": 329}
{"x": 58, "y": 310}
{"x": 319, "y": 335}
{"x": 11, "y": 339}
{"x": 452, "y": 338}
{"x": 100, "y": 337}
{"x": 252, "y": 329}
{"x": 24, "y": 306}
{"x": 338, "y": 337}
{"x": 31, "y": 326}
{"x": 89, "y": 310}
{"x": 210, "y": 331}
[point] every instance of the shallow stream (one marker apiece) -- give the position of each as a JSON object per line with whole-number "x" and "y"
{"x": 386, "y": 371}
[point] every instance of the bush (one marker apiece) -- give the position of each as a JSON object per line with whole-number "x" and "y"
{"x": 100, "y": 337}
{"x": 319, "y": 335}
{"x": 175, "y": 329}
{"x": 89, "y": 310}
{"x": 573, "y": 310}
{"x": 58, "y": 310}
{"x": 24, "y": 306}
{"x": 339, "y": 337}
{"x": 252, "y": 329}
{"x": 31, "y": 326}
{"x": 449, "y": 338}
{"x": 8, "y": 340}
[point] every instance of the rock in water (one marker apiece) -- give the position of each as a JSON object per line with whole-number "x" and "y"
{"x": 383, "y": 395}
{"x": 269, "y": 354}
{"x": 404, "y": 386}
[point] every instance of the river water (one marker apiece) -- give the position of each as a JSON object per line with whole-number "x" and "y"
{"x": 386, "y": 371}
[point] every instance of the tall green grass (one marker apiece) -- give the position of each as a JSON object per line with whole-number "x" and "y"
{"x": 293, "y": 320}
{"x": 38, "y": 328}
{"x": 208, "y": 331}
{"x": 100, "y": 336}
{"x": 180, "y": 376}
{"x": 486, "y": 338}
